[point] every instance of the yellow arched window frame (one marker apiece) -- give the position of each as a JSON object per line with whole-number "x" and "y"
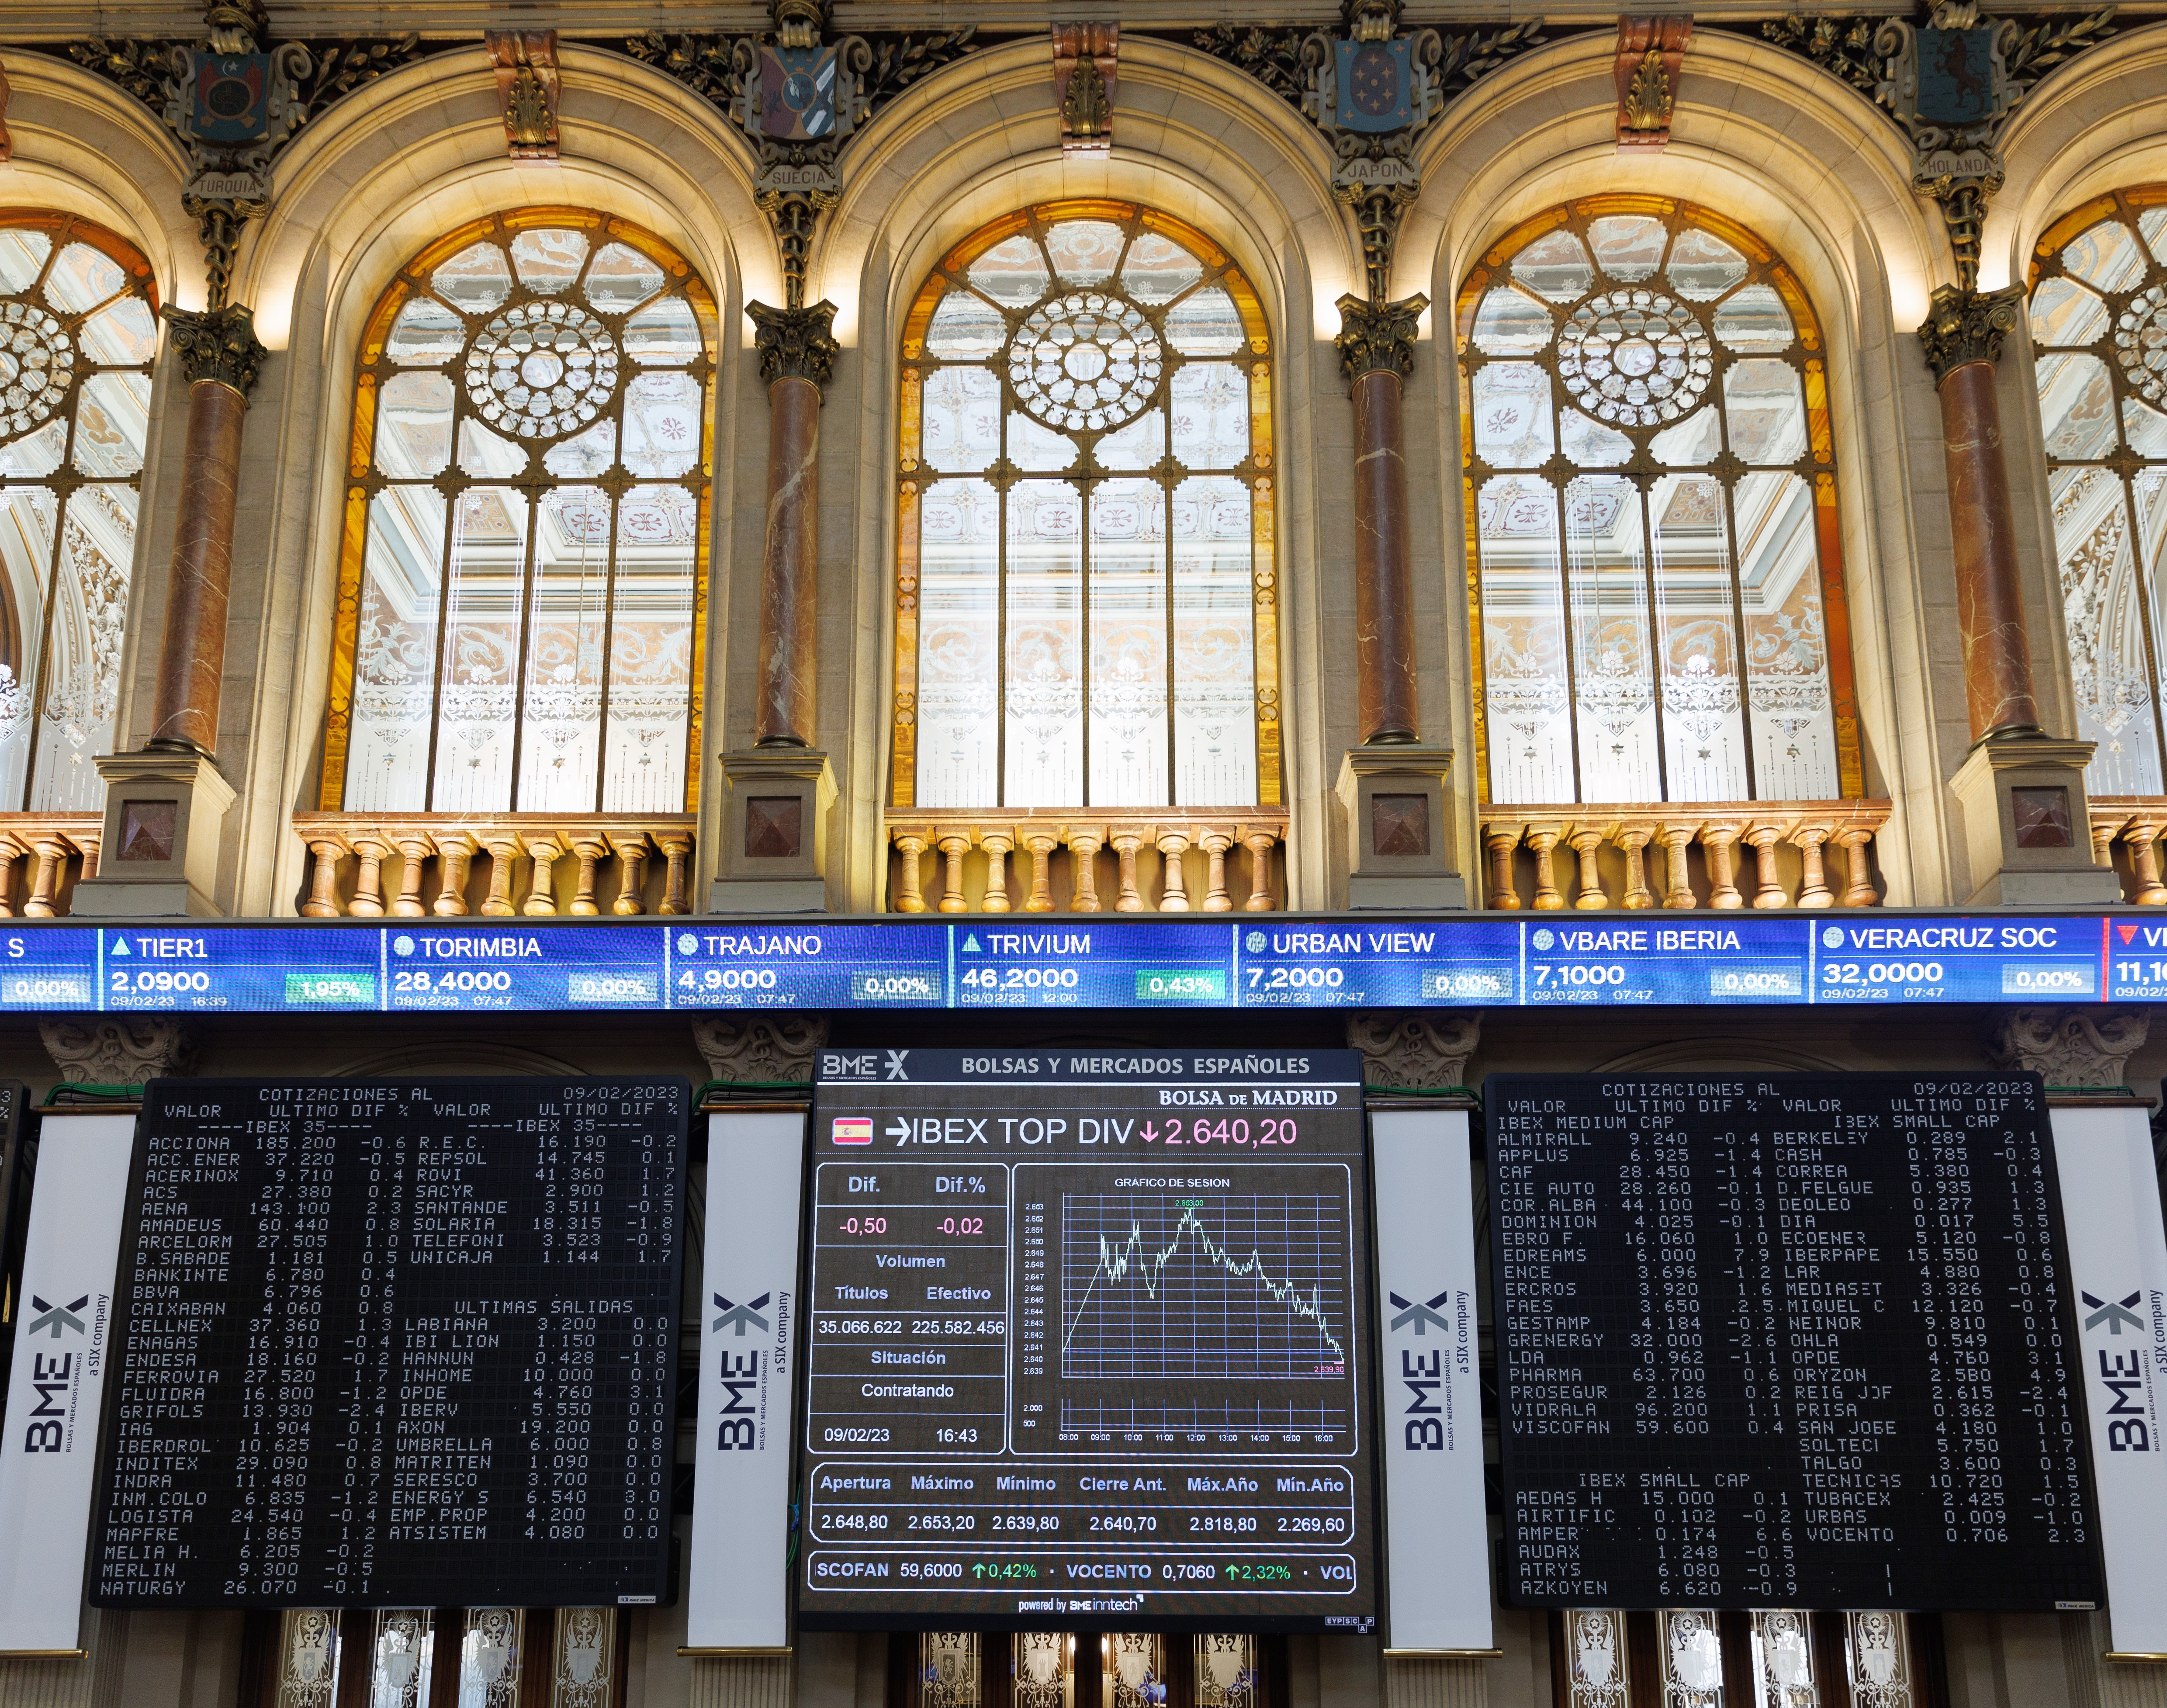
{"x": 1655, "y": 567}
{"x": 522, "y": 589}
{"x": 1086, "y": 596}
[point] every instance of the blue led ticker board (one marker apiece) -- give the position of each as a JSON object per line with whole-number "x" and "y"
{"x": 1860, "y": 957}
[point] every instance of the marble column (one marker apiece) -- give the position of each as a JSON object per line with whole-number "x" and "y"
{"x": 1963, "y": 340}
{"x": 798, "y": 352}
{"x": 221, "y": 357}
{"x": 1376, "y": 349}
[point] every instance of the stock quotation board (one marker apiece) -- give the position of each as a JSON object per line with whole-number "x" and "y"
{"x": 1089, "y": 1340}
{"x": 394, "y": 1344}
{"x": 1791, "y": 1340}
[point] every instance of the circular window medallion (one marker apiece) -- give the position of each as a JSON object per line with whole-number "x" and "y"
{"x": 2140, "y": 342}
{"x": 542, "y": 369}
{"x": 1635, "y": 358}
{"x": 1085, "y": 360}
{"x": 37, "y": 360}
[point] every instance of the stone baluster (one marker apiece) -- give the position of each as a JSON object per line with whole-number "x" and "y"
{"x": 1813, "y": 879}
{"x": 1261, "y": 841}
{"x": 1041, "y": 839}
{"x": 503, "y": 847}
{"x": 1586, "y": 842}
{"x": 11, "y": 852}
{"x": 910, "y": 847}
{"x": 52, "y": 850}
{"x": 1633, "y": 840}
{"x": 1678, "y": 884}
{"x": 999, "y": 846}
{"x": 371, "y": 849}
{"x": 1501, "y": 840}
{"x": 590, "y": 849}
{"x": 954, "y": 845}
{"x": 1858, "y": 886}
{"x": 1084, "y": 841}
{"x": 2106, "y": 827}
{"x": 1174, "y": 891}
{"x": 1126, "y": 844}
{"x": 1543, "y": 839}
{"x": 455, "y": 851}
{"x": 1719, "y": 843}
{"x": 676, "y": 847}
{"x": 1215, "y": 840}
{"x": 632, "y": 852}
{"x": 414, "y": 850}
{"x": 2143, "y": 837}
{"x": 1768, "y": 890}
{"x": 323, "y": 887}
{"x": 542, "y": 886}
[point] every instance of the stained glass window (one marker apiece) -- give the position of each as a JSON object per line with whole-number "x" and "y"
{"x": 2098, "y": 336}
{"x": 78, "y": 329}
{"x": 1085, "y": 594}
{"x": 523, "y": 588}
{"x": 1650, "y": 500}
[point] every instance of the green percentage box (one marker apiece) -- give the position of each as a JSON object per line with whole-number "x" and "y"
{"x": 1181, "y": 984}
{"x": 330, "y": 989}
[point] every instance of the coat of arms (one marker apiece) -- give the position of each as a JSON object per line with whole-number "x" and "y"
{"x": 232, "y": 97}
{"x": 798, "y": 93}
{"x": 1957, "y": 73}
{"x": 1376, "y": 92}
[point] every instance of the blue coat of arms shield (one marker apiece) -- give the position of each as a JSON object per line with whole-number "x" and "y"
{"x": 1955, "y": 77}
{"x": 1376, "y": 87}
{"x": 232, "y": 102}
{"x": 797, "y": 93}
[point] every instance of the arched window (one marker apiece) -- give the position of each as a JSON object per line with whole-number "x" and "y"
{"x": 78, "y": 329}
{"x": 2099, "y": 327}
{"x": 523, "y": 583}
{"x": 1084, "y": 593}
{"x": 1650, "y": 500}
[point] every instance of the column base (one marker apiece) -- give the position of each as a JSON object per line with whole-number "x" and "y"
{"x": 1399, "y": 830}
{"x": 2021, "y": 802}
{"x": 775, "y": 832}
{"x": 165, "y": 810}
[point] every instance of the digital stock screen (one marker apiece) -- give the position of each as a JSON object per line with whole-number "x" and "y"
{"x": 1089, "y": 1339}
{"x": 1793, "y": 1341}
{"x": 407, "y": 1344}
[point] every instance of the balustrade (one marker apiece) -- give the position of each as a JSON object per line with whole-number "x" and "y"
{"x": 518, "y": 863}
{"x": 43, "y": 856}
{"x": 981, "y": 862}
{"x": 2126, "y": 835}
{"x": 1761, "y": 854}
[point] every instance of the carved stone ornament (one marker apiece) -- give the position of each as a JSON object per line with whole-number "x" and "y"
{"x": 1378, "y": 336}
{"x": 759, "y": 1049}
{"x": 117, "y": 1052}
{"x": 219, "y": 344}
{"x": 795, "y": 343}
{"x": 1965, "y": 325}
{"x": 1415, "y": 1051}
{"x": 1084, "y": 71}
{"x": 2071, "y": 1046}
{"x": 527, "y": 87}
{"x": 1649, "y": 52}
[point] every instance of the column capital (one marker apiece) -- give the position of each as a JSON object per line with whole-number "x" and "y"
{"x": 1962, "y": 326}
{"x": 759, "y": 1049}
{"x": 1415, "y": 1049}
{"x": 1378, "y": 337}
{"x": 118, "y": 1052}
{"x": 219, "y": 344}
{"x": 795, "y": 343}
{"x": 2071, "y": 1045}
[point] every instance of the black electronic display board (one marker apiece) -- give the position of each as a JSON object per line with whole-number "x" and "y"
{"x": 1789, "y": 1340}
{"x": 407, "y": 1344}
{"x": 1088, "y": 1341}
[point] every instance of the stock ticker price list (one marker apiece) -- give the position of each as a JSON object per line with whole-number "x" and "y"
{"x": 1089, "y": 1341}
{"x": 1799, "y": 1340}
{"x": 395, "y": 1343}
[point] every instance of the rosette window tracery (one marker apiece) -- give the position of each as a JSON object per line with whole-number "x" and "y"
{"x": 1085, "y": 594}
{"x": 2098, "y": 336}
{"x": 1651, "y": 494}
{"x": 523, "y": 583}
{"x": 79, "y": 331}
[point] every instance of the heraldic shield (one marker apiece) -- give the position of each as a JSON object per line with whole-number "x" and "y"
{"x": 1376, "y": 85}
{"x": 232, "y": 100}
{"x": 797, "y": 93}
{"x": 1955, "y": 77}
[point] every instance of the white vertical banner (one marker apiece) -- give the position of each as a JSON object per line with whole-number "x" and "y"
{"x": 1430, "y": 1409}
{"x": 737, "y": 1589}
{"x": 56, "y": 1381}
{"x": 2118, "y": 1265}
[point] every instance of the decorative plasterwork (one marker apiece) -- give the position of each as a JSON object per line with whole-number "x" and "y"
{"x": 798, "y": 99}
{"x": 218, "y": 345}
{"x": 757, "y": 1050}
{"x": 117, "y": 1052}
{"x": 1951, "y": 84}
{"x": 1649, "y": 52}
{"x": 1963, "y": 325}
{"x": 527, "y": 88}
{"x": 1414, "y": 1051}
{"x": 2074, "y": 1046}
{"x": 795, "y": 343}
{"x": 1084, "y": 77}
{"x": 1378, "y": 336}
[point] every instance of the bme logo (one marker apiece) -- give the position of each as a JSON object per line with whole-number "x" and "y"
{"x": 1423, "y": 1372}
{"x": 52, "y": 1375}
{"x": 2129, "y": 1418}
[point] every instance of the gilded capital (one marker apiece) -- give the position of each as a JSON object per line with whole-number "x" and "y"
{"x": 795, "y": 343}
{"x": 1378, "y": 337}
{"x": 1963, "y": 327}
{"x": 219, "y": 344}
